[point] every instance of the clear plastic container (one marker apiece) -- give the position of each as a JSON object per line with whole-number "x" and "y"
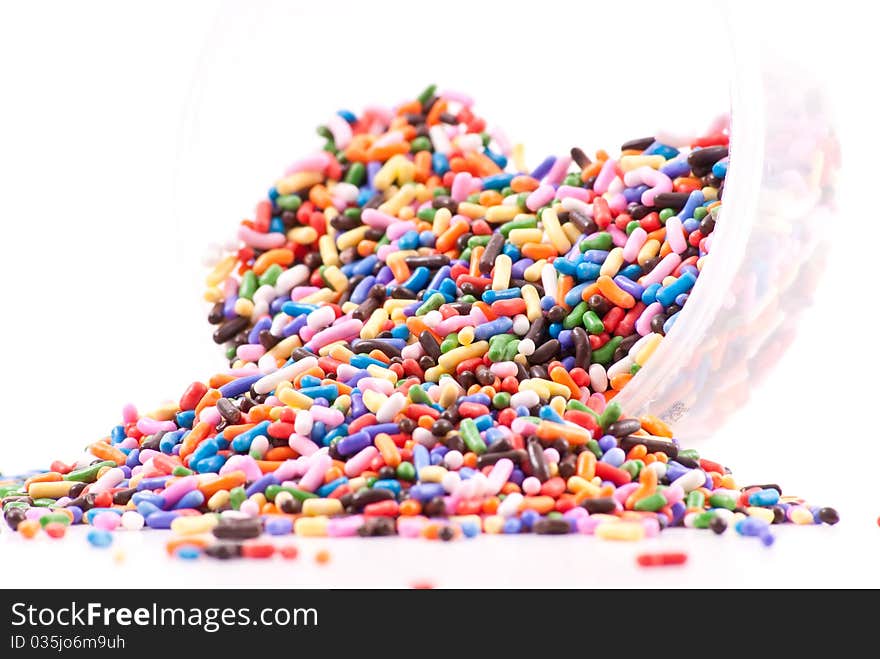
{"x": 554, "y": 75}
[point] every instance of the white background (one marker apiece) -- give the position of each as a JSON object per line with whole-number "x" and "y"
{"x": 131, "y": 135}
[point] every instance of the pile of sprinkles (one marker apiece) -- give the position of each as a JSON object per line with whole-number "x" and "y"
{"x": 425, "y": 339}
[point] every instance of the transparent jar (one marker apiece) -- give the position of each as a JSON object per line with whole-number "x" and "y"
{"x": 553, "y": 75}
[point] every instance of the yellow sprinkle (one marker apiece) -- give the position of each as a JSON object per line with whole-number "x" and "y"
{"x": 373, "y": 400}
{"x": 572, "y": 232}
{"x": 455, "y": 356}
{"x": 577, "y": 484}
{"x": 493, "y": 524}
{"x": 336, "y": 278}
{"x": 351, "y": 238}
{"x": 765, "y": 514}
{"x": 536, "y": 385}
{"x": 519, "y": 157}
{"x": 329, "y": 214}
{"x": 373, "y": 326}
{"x": 343, "y": 403}
{"x": 442, "y": 219}
{"x": 219, "y": 500}
{"x": 380, "y": 372}
{"x": 222, "y": 270}
{"x": 629, "y": 163}
{"x": 501, "y": 213}
{"x": 473, "y": 211}
{"x": 501, "y": 272}
{"x": 357, "y": 483}
{"x": 317, "y": 507}
{"x": 627, "y": 531}
{"x": 322, "y": 296}
{"x": 801, "y": 515}
{"x": 192, "y": 524}
{"x": 449, "y": 391}
{"x": 613, "y": 262}
{"x": 432, "y": 474}
{"x": 466, "y": 336}
{"x": 392, "y": 304}
{"x": 311, "y": 526}
{"x": 51, "y": 489}
{"x": 283, "y": 348}
{"x": 327, "y": 249}
{"x": 533, "y": 302}
{"x": 520, "y": 237}
{"x": 648, "y": 349}
{"x": 398, "y": 200}
{"x": 546, "y": 388}
{"x": 292, "y": 398}
{"x": 397, "y": 168}
{"x": 533, "y": 272}
{"x": 213, "y": 294}
{"x": 434, "y": 373}
{"x": 648, "y": 251}
{"x": 340, "y": 353}
{"x": 298, "y": 181}
{"x": 244, "y": 307}
{"x": 557, "y": 236}
{"x": 302, "y": 235}
{"x": 327, "y": 349}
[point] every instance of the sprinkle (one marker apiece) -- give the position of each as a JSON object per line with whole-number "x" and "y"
{"x": 427, "y": 340}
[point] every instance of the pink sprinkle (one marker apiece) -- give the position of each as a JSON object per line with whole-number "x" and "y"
{"x": 606, "y": 175}
{"x": 243, "y": 463}
{"x": 540, "y": 196}
{"x": 461, "y": 186}
{"x": 618, "y": 202}
{"x": 663, "y": 269}
{"x": 397, "y": 229}
{"x": 106, "y": 521}
{"x": 129, "y": 413}
{"x": 341, "y": 131}
{"x": 299, "y": 292}
{"x": 643, "y": 324}
{"x": 261, "y": 240}
{"x": 558, "y": 171}
{"x": 250, "y": 352}
{"x": 634, "y": 243}
{"x": 621, "y": 493}
{"x": 302, "y": 445}
{"x": 618, "y": 237}
{"x": 314, "y": 163}
{"x": 387, "y": 250}
{"x": 375, "y": 219}
{"x": 150, "y": 426}
{"x": 571, "y": 192}
{"x": 675, "y": 234}
{"x": 314, "y": 475}
{"x": 344, "y": 527}
{"x": 458, "y": 97}
{"x": 291, "y": 468}
{"x": 587, "y": 525}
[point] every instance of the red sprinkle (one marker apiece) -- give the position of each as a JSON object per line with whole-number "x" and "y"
{"x": 662, "y": 559}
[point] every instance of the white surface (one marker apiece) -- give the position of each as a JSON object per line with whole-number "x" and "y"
{"x": 837, "y": 557}
{"x": 102, "y": 284}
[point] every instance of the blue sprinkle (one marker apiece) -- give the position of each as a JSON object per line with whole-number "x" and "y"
{"x": 279, "y": 526}
{"x": 188, "y": 552}
{"x": 100, "y": 538}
